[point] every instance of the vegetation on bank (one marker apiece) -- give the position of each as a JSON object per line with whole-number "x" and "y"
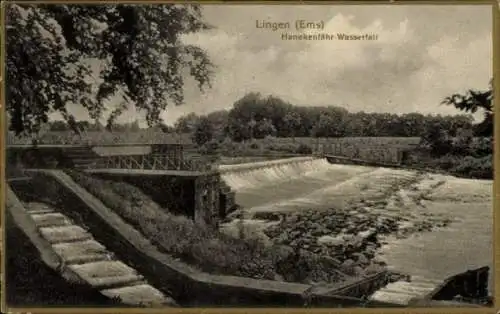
{"x": 463, "y": 155}
{"x": 202, "y": 246}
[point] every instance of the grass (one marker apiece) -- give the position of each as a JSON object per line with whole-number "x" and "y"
{"x": 198, "y": 245}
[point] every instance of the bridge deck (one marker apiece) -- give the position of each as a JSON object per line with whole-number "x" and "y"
{"x": 150, "y": 172}
{"x": 84, "y": 145}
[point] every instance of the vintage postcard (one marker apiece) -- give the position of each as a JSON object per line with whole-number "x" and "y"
{"x": 250, "y": 155}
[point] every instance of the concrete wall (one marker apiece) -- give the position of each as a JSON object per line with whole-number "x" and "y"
{"x": 197, "y": 197}
{"x": 176, "y": 194}
{"x": 206, "y": 195}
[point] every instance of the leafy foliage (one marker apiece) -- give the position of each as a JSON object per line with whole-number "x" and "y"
{"x": 255, "y": 117}
{"x": 51, "y": 48}
{"x": 472, "y": 101}
{"x": 203, "y": 132}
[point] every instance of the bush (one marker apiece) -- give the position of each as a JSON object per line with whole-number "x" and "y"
{"x": 254, "y": 145}
{"x": 304, "y": 149}
{"x": 464, "y": 166}
{"x": 209, "y": 148}
{"x": 482, "y": 147}
{"x": 480, "y": 168}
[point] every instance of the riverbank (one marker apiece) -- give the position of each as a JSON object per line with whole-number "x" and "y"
{"x": 381, "y": 216}
{"x": 205, "y": 248}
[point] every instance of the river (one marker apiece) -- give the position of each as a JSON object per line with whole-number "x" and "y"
{"x": 466, "y": 243}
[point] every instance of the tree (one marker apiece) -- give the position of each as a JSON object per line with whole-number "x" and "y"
{"x": 437, "y": 139}
{"x": 263, "y": 128}
{"x": 219, "y": 120}
{"x": 472, "y": 101}
{"x": 187, "y": 123}
{"x": 238, "y": 132}
{"x": 329, "y": 125}
{"x": 203, "y": 132}
{"x": 140, "y": 46}
{"x": 292, "y": 121}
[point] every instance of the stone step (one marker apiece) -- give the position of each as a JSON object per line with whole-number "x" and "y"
{"x": 391, "y": 297}
{"x": 405, "y": 290}
{"x": 424, "y": 280}
{"x": 34, "y": 207}
{"x": 82, "y": 252}
{"x": 94, "y": 264}
{"x": 410, "y": 287}
{"x": 65, "y": 234}
{"x": 39, "y": 211}
{"x": 50, "y": 220}
{"x": 140, "y": 294}
{"x": 402, "y": 292}
{"x": 107, "y": 274}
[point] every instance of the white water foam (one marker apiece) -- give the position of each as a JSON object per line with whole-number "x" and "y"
{"x": 259, "y": 175}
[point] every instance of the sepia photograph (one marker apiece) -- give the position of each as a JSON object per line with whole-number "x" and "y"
{"x": 192, "y": 155}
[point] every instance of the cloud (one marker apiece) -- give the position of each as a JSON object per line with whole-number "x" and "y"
{"x": 399, "y": 72}
{"x": 411, "y": 67}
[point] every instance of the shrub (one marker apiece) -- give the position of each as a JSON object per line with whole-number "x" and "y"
{"x": 209, "y": 148}
{"x": 465, "y": 166}
{"x": 254, "y": 145}
{"x": 304, "y": 149}
{"x": 480, "y": 168}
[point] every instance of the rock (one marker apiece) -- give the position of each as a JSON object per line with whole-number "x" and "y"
{"x": 373, "y": 269}
{"x": 329, "y": 261}
{"x": 358, "y": 271}
{"x": 292, "y": 219}
{"x": 283, "y": 238}
{"x": 295, "y": 234}
{"x": 378, "y": 260}
{"x": 360, "y": 258}
{"x": 348, "y": 237}
{"x": 316, "y": 216}
{"x": 347, "y": 263}
{"x": 267, "y": 216}
{"x": 330, "y": 241}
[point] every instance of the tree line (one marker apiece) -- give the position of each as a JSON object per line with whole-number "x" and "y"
{"x": 255, "y": 116}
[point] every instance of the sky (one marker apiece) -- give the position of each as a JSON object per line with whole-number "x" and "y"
{"x": 423, "y": 53}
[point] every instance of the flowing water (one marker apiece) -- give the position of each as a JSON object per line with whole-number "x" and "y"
{"x": 465, "y": 244}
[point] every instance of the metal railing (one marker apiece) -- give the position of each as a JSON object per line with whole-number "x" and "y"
{"x": 152, "y": 162}
{"x": 373, "y": 153}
